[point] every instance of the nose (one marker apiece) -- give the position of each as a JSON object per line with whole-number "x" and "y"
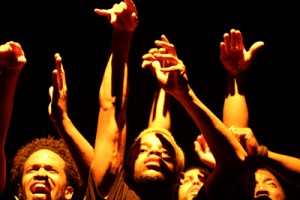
{"x": 155, "y": 151}
{"x": 41, "y": 172}
{"x": 196, "y": 181}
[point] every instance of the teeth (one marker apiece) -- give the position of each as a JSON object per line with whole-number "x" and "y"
{"x": 40, "y": 196}
{"x": 40, "y": 185}
{"x": 40, "y": 188}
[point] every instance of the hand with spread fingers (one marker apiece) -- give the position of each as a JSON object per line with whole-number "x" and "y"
{"x": 233, "y": 54}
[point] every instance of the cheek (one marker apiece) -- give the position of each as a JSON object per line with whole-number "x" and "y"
{"x": 139, "y": 162}
{"x": 25, "y": 179}
{"x": 59, "y": 180}
{"x": 183, "y": 189}
{"x": 277, "y": 194}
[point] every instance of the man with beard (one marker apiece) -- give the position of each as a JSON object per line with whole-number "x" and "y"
{"x": 154, "y": 160}
{"x": 43, "y": 168}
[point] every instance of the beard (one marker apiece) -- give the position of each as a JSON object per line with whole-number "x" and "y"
{"x": 150, "y": 180}
{"x": 151, "y": 186}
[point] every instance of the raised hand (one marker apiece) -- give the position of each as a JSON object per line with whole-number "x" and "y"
{"x": 58, "y": 91}
{"x": 122, "y": 16}
{"x": 166, "y": 66}
{"x": 233, "y": 54}
{"x": 203, "y": 151}
{"x": 12, "y": 56}
{"x": 246, "y": 137}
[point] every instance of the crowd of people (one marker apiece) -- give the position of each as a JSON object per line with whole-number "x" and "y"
{"x": 235, "y": 165}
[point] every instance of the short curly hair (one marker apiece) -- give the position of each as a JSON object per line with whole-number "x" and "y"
{"x": 56, "y": 145}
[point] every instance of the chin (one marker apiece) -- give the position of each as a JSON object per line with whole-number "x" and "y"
{"x": 150, "y": 176}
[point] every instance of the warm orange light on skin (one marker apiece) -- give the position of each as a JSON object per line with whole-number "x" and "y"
{"x": 44, "y": 177}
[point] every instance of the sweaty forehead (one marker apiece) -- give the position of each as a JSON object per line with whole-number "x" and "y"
{"x": 264, "y": 174}
{"x": 45, "y": 157}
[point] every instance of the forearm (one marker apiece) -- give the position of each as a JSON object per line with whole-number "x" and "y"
{"x": 235, "y": 109}
{"x": 160, "y": 110}
{"x": 120, "y": 47}
{"x": 8, "y": 83}
{"x": 287, "y": 167}
{"x": 77, "y": 145}
{"x": 111, "y": 127}
{"x": 114, "y": 87}
{"x": 229, "y": 155}
{"x": 221, "y": 142}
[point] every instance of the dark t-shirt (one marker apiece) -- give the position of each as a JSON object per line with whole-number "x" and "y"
{"x": 119, "y": 190}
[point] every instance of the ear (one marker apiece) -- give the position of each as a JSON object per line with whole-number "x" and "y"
{"x": 180, "y": 177}
{"x": 69, "y": 192}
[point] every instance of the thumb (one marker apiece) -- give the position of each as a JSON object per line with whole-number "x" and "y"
{"x": 255, "y": 47}
{"x": 51, "y": 93}
{"x": 103, "y": 12}
{"x": 156, "y": 65}
{"x": 197, "y": 146}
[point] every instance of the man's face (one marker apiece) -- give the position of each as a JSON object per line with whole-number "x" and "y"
{"x": 155, "y": 160}
{"x": 267, "y": 185}
{"x": 190, "y": 185}
{"x": 44, "y": 177}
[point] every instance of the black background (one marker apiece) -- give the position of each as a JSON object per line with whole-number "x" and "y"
{"x": 195, "y": 28}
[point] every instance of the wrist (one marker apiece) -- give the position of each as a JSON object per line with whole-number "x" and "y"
{"x": 262, "y": 153}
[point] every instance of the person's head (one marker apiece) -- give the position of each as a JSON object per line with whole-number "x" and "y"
{"x": 155, "y": 158}
{"x": 191, "y": 182}
{"x": 267, "y": 185}
{"x": 44, "y": 169}
{"x": 260, "y": 182}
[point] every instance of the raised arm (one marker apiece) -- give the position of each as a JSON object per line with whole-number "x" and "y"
{"x": 113, "y": 94}
{"x": 12, "y": 60}
{"x": 160, "y": 110}
{"x": 236, "y": 61}
{"x": 57, "y": 110}
{"x": 228, "y": 152}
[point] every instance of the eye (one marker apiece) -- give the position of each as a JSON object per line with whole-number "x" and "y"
{"x": 52, "y": 171}
{"x": 143, "y": 150}
{"x": 186, "y": 180}
{"x": 272, "y": 184}
{"x": 32, "y": 169}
